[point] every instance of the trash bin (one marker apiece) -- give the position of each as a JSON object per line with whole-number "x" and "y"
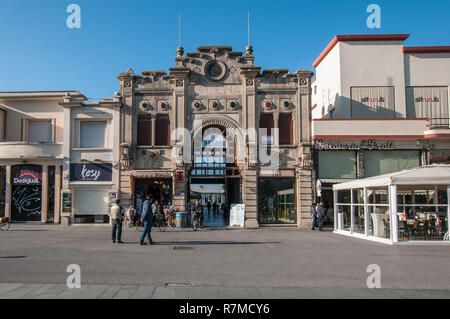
{"x": 181, "y": 220}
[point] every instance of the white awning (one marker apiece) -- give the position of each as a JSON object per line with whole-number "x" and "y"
{"x": 208, "y": 188}
{"x": 427, "y": 175}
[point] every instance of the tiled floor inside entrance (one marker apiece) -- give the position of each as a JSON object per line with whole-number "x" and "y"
{"x": 215, "y": 220}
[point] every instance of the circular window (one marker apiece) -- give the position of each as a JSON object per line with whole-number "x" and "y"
{"x": 215, "y": 70}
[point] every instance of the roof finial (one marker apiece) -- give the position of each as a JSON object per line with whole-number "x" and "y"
{"x": 249, "y": 48}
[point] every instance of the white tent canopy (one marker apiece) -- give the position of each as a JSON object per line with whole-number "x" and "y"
{"x": 427, "y": 175}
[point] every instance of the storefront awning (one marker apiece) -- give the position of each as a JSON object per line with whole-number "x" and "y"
{"x": 151, "y": 174}
{"x": 208, "y": 188}
{"x": 427, "y": 175}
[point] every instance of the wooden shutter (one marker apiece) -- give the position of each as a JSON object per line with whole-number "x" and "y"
{"x": 144, "y": 131}
{"x": 286, "y": 129}
{"x": 162, "y": 130}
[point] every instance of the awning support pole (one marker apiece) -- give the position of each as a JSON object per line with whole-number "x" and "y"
{"x": 393, "y": 212}
{"x": 366, "y": 213}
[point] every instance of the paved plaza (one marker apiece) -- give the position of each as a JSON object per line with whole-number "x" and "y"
{"x": 276, "y": 262}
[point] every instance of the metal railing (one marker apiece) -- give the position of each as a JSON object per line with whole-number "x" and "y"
{"x": 439, "y": 123}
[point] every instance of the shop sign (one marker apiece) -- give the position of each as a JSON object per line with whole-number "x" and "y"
{"x": 422, "y": 99}
{"x": 27, "y": 175}
{"x": 338, "y": 146}
{"x": 91, "y": 172}
{"x": 276, "y": 173}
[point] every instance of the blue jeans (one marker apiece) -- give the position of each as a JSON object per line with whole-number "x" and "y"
{"x": 321, "y": 220}
{"x": 147, "y": 232}
{"x": 314, "y": 222}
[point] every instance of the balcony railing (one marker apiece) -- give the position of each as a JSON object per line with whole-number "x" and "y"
{"x": 19, "y": 150}
{"x": 441, "y": 123}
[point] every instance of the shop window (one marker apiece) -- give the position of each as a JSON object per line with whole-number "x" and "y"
{"x": 40, "y": 131}
{"x": 337, "y": 164}
{"x": 92, "y": 134}
{"x": 2, "y": 190}
{"x": 144, "y": 131}
{"x": 276, "y": 201}
{"x": 385, "y": 162}
{"x": 2, "y": 124}
{"x": 439, "y": 157}
{"x": 266, "y": 125}
{"x": 162, "y": 130}
{"x": 286, "y": 129}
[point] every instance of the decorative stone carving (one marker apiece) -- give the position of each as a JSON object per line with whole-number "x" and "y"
{"x": 267, "y": 104}
{"x": 215, "y": 70}
{"x": 163, "y": 106}
{"x": 286, "y": 104}
{"x": 145, "y": 106}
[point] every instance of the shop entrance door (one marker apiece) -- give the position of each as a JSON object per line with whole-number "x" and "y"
{"x": 26, "y": 203}
{"x": 157, "y": 189}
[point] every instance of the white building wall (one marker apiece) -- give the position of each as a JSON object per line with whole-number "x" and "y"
{"x": 328, "y": 83}
{"x": 427, "y": 69}
{"x": 372, "y": 64}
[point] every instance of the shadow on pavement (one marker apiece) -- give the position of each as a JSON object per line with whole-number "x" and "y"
{"x": 12, "y": 257}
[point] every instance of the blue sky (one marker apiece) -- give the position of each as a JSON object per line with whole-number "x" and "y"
{"x": 39, "y": 52}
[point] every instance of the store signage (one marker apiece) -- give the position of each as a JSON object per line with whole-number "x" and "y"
{"x": 373, "y": 99}
{"x": 422, "y": 99}
{"x": 27, "y": 175}
{"x": 338, "y": 146}
{"x": 91, "y": 172}
{"x": 276, "y": 173}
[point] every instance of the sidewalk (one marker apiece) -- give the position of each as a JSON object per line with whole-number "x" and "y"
{"x": 48, "y": 291}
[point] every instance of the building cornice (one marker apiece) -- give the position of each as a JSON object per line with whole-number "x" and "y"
{"x": 426, "y": 50}
{"x": 358, "y": 38}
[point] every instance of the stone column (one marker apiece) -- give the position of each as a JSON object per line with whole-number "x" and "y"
{"x": 44, "y": 194}
{"x": 153, "y": 129}
{"x": 8, "y": 192}
{"x": 57, "y": 212}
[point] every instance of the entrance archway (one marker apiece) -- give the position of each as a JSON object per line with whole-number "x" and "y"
{"x": 215, "y": 179}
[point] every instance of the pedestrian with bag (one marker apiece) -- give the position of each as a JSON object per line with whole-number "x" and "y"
{"x": 320, "y": 215}
{"x": 117, "y": 220}
{"x": 147, "y": 218}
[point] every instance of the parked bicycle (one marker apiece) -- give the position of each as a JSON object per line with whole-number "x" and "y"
{"x": 158, "y": 221}
{"x": 5, "y": 223}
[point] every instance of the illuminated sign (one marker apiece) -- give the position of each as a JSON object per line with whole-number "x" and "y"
{"x": 27, "y": 175}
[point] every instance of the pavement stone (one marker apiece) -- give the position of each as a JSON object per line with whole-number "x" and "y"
{"x": 21, "y": 291}
{"x": 7, "y": 287}
{"x": 171, "y": 293}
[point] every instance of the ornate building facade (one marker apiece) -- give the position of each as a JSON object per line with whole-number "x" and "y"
{"x": 240, "y": 114}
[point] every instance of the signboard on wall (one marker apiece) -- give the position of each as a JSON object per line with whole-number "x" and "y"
{"x": 237, "y": 215}
{"x": 91, "y": 172}
{"x": 427, "y": 102}
{"x": 26, "y": 175}
{"x": 370, "y": 145}
{"x": 370, "y": 102}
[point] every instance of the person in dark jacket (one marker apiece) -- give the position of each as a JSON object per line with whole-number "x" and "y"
{"x": 147, "y": 218}
{"x": 320, "y": 215}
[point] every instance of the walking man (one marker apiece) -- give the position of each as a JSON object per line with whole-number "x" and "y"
{"x": 117, "y": 220}
{"x": 320, "y": 215}
{"x": 147, "y": 218}
{"x": 313, "y": 216}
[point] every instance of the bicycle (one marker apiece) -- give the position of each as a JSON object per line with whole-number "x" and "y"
{"x": 158, "y": 221}
{"x": 5, "y": 223}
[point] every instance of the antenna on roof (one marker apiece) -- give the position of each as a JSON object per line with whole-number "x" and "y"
{"x": 179, "y": 29}
{"x": 180, "y": 50}
{"x": 248, "y": 24}
{"x": 249, "y": 48}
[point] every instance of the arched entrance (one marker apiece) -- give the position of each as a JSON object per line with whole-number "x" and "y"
{"x": 215, "y": 179}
